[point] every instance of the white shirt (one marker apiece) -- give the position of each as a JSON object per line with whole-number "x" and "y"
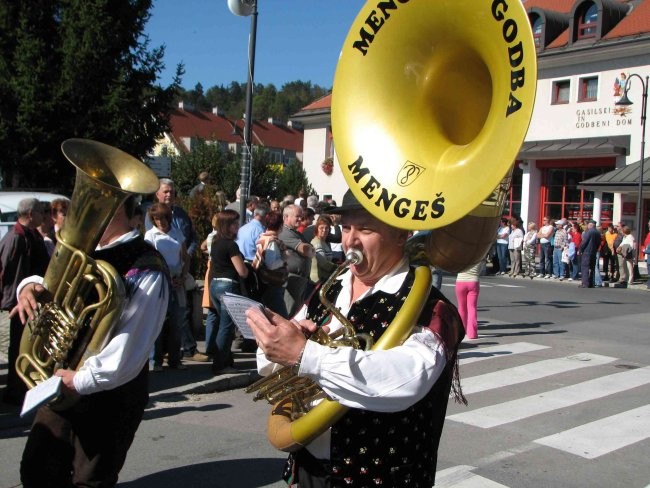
{"x": 134, "y": 335}
{"x": 382, "y": 381}
{"x": 169, "y": 245}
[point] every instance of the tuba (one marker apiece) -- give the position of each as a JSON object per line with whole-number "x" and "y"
{"x": 430, "y": 105}
{"x": 84, "y": 297}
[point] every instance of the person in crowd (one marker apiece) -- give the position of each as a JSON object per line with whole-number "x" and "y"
{"x": 610, "y": 261}
{"x": 515, "y": 245}
{"x": 322, "y": 265}
{"x": 166, "y": 194}
{"x": 528, "y": 251}
{"x": 274, "y": 205}
{"x": 204, "y": 180}
{"x": 560, "y": 245}
{"x": 22, "y": 254}
{"x": 228, "y": 268}
{"x": 646, "y": 254}
{"x": 249, "y": 233}
{"x": 403, "y": 389}
{"x": 137, "y": 221}
{"x": 502, "y": 245}
{"x": 575, "y": 239}
{"x": 588, "y": 249}
{"x": 168, "y": 242}
{"x": 212, "y": 317}
{"x": 598, "y": 278}
{"x": 236, "y": 203}
{"x": 308, "y": 216}
{"x": 625, "y": 252}
{"x": 220, "y": 201}
{"x": 59, "y": 209}
{"x": 46, "y": 229}
{"x": 86, "y": 444}
{"x": 334, "y": 238}
{"x": 468, "y": 287}
{"x": 270, "y": 263}
{"x": 545, "y": 249}
{"x": 299, "y": 254}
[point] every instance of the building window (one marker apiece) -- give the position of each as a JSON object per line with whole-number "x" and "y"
{"x": 512, "y": 204}
{"x": 563, "y": 199}
{"x": 537, "y": 31}
{"x": 561, "y": 90}
{"x": 588, "y": 91}
{"x": 588, "y": 21}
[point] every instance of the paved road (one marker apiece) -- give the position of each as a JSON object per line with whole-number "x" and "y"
{"x": 558, "y": 387}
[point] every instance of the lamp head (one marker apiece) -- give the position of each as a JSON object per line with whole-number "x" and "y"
{"x": 243, "y": 8}
{"x": 624, "y": 101}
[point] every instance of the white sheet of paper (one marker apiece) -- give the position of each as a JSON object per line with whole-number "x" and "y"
{"x": 237, "y": 306}
{"x": 41, "y": 394}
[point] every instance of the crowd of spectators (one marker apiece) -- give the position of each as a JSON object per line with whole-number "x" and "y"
{"x": 572, "y": 250}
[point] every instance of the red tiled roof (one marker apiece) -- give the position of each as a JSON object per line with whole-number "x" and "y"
{"x": 562, "y": 6}
{"x": 323, "y": 102}
{"x": 636, "y": 22}
{"x": 209, "y": 126}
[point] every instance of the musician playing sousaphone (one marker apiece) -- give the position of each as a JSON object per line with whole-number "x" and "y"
{"x": 397, "y": 397}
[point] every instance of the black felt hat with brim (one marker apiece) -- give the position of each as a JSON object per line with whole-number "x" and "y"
{"x": 350, "y": 204}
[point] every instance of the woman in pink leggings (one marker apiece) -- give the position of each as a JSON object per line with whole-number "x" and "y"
{"x": 467, "y": 290}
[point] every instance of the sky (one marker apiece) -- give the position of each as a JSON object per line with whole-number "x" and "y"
{"x": 295, "y": 40}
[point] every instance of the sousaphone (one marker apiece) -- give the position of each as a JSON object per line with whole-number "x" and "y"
{"x": 430, "y": 106}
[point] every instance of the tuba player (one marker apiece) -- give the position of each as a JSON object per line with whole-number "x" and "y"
{"x": 86, "y": 444}
{"x": 397, "y": 398}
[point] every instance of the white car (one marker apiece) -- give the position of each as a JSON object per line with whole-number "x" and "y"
{"x": 9, "y": 205}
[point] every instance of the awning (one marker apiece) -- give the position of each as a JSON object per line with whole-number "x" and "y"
{"x": 620, "y": 180}
{"x": 575, "y": 148}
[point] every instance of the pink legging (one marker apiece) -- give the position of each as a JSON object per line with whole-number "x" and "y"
{"x": 467, "y": 299}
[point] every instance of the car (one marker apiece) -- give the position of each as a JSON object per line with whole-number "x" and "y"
{"x": 9, "y": 205}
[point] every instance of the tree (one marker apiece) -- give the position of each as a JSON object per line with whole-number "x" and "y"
{"x": 293, "y": 178}
{"x": 76, "y": 68}
{"x": 221, "y": 165}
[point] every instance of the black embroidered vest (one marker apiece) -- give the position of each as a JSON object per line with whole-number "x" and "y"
{"x": 390, "y": 449}
{"x": 132, "y": 260}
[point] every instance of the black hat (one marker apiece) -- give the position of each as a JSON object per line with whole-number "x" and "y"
{"x": 350, "y": 204}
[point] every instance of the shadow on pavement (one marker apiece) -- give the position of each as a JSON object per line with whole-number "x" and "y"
{"x": 235, "y": 473}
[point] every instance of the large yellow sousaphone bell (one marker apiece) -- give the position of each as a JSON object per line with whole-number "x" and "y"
{"x": 431, "y": 103}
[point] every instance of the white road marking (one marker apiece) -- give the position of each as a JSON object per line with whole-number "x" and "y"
{"x": 523, "y": 408}
{"x": 597, "y": 438}
{"x": 532, "y": 371}
{"x": 493, "y": 352}
{"x": 462, "y": 477}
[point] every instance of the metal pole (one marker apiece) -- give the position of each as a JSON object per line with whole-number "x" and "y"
{"x": 639, "y": 222}
{"x": 248, "y": 123}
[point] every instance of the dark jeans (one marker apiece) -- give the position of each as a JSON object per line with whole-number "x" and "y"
{"x": 502, "y": 254}
{"x": 546, "y": 258}
{"x": 610, "y": 266}
{"x": 226, "y": 327}
{"x": 588, "y": 263}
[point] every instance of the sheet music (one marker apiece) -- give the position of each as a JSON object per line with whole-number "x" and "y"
{"x": 236, "y": 305}
{"x": 41, "y": 394}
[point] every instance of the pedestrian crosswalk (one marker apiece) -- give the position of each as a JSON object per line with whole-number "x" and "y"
{"x": 531, "y": 383}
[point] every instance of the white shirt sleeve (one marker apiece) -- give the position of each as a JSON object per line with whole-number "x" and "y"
{"x": 128, "y": 350}
{"x": 382, "y": 381}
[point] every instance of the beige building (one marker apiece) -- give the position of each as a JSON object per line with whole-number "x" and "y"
{"x": 578, "y": 136}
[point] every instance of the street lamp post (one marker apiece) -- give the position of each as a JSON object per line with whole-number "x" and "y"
{"x": 624, "y": 100}
{"x": 247, "y": 8}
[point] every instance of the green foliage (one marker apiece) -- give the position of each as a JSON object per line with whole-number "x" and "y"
{"x": 220, "y": 164}
{"x": 76, "y": 68}
{"x": 267, "y": 100}
{"x": 293, "y": 179}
